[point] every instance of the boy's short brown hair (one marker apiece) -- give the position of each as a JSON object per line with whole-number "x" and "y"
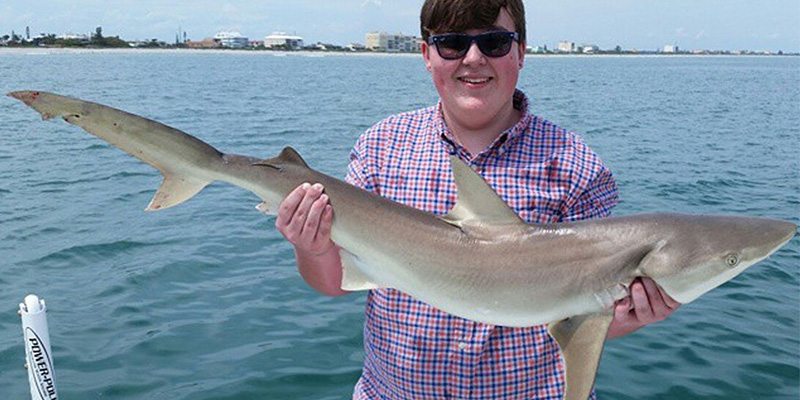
{"x": 439, "y": 16}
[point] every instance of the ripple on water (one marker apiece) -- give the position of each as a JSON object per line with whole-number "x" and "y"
{"x": 113, "y": 290}
{"x": 90, "y": 252}
{"x": 98, "y": 146}
{"x": 787, "y": 372}
{"x": 62, "y": 183}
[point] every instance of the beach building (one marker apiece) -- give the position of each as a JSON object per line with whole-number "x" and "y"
{"x": 537, "y": 49}
{"x": 566, "y": 46}
{"x": 377, "y": 41}
{"x": 283, "y": 41}
{"x": 74, "y": 36}
{"x": 382, "y": 41}
{"x": 355, "y": 47}
{"x": 233, "y": 40}
{"x": 207, "y": 43}
{"x": 590, "y": 48}
{"x": 670, "y": 48}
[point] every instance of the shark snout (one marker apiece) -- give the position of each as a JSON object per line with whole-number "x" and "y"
{"x": 25, "y": 96}
{"x": 789, "y": 231}
{"x": 775, "y": 234}
{"x": 755, "y": 238}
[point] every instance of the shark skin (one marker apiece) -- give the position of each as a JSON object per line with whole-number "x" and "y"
{"x": 480, "y": 261}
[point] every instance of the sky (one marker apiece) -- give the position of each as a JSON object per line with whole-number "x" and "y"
{"x": 632, "y": 24}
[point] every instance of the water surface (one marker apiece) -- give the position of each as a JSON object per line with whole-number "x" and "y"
{"x": 202, "y": 301}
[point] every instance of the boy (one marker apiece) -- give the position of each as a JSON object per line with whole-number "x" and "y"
{"x": 474, "y": 50}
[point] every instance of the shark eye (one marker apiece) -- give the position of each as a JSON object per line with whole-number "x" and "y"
{"x": 732, "y": 260}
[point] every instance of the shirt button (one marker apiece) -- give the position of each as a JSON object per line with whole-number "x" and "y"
{"x": 462, "y": 345}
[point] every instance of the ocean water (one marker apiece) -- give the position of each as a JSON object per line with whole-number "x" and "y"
{"x": 203, "y": 301}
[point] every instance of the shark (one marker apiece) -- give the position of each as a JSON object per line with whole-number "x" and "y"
{"x": 480, "y": 261}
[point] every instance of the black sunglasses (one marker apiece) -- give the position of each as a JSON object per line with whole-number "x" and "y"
{"x": 452, "y": 46}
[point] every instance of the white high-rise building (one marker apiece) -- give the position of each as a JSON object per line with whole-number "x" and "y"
{"x": 382, "y": 41}
{"x": 566, "y": 46}
{"x": 376, "y": 41}
{"x": 670, "y": 48}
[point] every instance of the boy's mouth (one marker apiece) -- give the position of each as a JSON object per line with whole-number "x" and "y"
{"x": 474, "y": 80}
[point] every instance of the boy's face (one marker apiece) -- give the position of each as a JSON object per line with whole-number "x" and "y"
{"x": 476, "y": 88}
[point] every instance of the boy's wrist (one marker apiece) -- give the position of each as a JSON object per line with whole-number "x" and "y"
{"x": 317, "y": 253}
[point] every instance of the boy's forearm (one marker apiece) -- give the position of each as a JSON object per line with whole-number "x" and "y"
{"x": 323, "y": 272}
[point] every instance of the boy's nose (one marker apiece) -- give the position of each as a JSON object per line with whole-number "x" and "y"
{"x": 474, "y": 54}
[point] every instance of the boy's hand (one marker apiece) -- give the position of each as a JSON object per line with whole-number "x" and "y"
{"x": 646, "y": 304}
{"x": 305, "y": 218}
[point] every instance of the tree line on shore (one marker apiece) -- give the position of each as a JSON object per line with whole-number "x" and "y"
{"x": 51, "y": 40}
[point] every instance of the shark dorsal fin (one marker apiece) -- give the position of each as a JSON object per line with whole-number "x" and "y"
{"x": 291, "y": 156}
{"x": 288, "y": 156}
{"x": 477, "y": 204}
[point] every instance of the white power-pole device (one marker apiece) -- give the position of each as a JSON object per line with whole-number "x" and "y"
{"x": 37, "y": 349}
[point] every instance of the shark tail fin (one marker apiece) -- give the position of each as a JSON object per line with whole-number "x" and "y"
{"x": 581, "y": 339}
{"x": 175, "y": 190}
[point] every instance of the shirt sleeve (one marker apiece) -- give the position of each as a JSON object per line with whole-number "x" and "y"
{"x": 359, "y": 172}
{"x": 600, "y": 196}
{"x": 595, "y": 192}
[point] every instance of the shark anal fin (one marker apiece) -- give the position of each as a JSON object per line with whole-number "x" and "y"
{"x": 581, "y": 339}
{"x": 265, "y": 209}
{"x": 478, "y": 204}
{"x": 175, "y": 190}
{"x": 352, "y": 277}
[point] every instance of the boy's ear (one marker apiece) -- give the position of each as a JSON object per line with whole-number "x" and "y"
{"x": 424, "y": 47}
{"x": 521, "y": 48}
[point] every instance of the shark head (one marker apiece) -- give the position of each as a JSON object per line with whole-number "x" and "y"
{"x": 713, "y": 250}
{"x": 51, "y": 105}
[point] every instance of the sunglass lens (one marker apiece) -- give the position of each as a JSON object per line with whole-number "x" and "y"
{"x": 495, "y": 44}
{"x": 452, "y": 47}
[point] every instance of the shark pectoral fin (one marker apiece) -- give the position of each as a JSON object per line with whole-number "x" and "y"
{"x": 477, "y": 203}
{"x": 352, "y": 277}
{"x": 581, "y": 340}
{"x": 175, "y": 190}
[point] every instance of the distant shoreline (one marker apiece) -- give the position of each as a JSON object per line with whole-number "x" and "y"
{"x": 305, "y": 53}
{"x": 275, "y": 53}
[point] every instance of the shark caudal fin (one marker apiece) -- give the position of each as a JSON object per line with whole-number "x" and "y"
{"x": 182, "y": 159}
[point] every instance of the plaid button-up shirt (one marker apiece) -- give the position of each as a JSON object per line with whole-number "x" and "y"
{"x": 415, "y": 351}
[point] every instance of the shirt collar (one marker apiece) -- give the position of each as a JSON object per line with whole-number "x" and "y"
{"x": 503, "y": 140}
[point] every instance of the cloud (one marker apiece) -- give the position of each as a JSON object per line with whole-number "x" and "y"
{"x": 376, "y": 3}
